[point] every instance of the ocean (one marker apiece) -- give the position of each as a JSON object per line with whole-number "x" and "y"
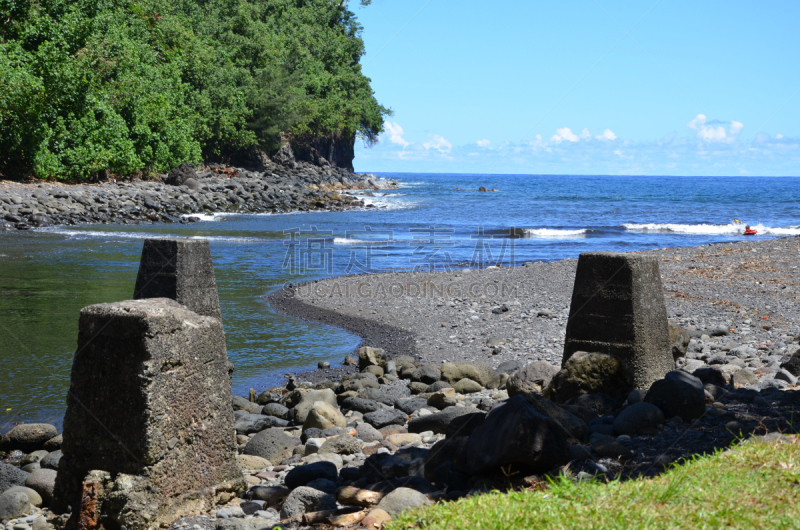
{"x": 434, "y": 221}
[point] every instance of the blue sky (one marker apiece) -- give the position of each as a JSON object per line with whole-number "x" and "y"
{"x": 585, "y": 87}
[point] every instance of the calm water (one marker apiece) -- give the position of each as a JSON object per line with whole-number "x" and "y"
{"x": 47, "y": 276}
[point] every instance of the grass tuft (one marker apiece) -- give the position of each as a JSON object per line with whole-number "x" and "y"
{"x": 753, "y": 485}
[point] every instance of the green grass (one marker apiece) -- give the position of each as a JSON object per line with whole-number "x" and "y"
{"x": 754, "y": 485}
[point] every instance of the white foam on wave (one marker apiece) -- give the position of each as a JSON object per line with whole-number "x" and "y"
{"x": 707, "y": 229}
{"x": 149, "y": 235}
{"x": 206, "y": 216}
{"x": 354, "y": 241}
{"x": 554, "y": 233}
{"x": 385, "y": 202}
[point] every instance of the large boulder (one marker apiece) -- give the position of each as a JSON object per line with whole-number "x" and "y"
{"x": 589, "y": 373}
{"x": 180, "y": 174}
{"x": 155, "y": 376}
{"x": 28, "y": 437}
{"x": 516, "y": 433}
{"x": 444, "y": 451}
{"x": 618, "y": 309}
{"x": 678, "y": 394}
{"x": 531, "y": 379}
{"x": 568, "y": 421}
{"x": 272, "y": 444}
{"x": 465, "y": 424}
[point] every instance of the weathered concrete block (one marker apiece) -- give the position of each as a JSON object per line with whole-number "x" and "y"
{"x": 179, "y": 269}
{"x": 618, "y": 308}
{"x": 149, "y": 427}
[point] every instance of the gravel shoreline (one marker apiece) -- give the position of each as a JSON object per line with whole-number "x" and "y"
{"x": 184, "y": 195}
{"x": 500, "y": 314}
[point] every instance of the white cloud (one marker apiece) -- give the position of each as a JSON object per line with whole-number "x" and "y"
{"x": 395, "y": 134}
{"x": 779, "y": 136}
{"x": 439, "y": 143}
{"x": 698, "y": 122}
{"x": 585, "y": 134}
{"x": 484, "y": 142}
{"x": 714, "y": 131}
{"x": 608, "y": 134}
{"x": 565, "y": 133}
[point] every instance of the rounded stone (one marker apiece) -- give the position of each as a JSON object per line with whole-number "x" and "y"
{"x": 43, "y": 482}
{"x": 51, "y": 460}
{"x": 28, "y": 437}
{"x": 531, "y": 379}
{"x": 252, "y": 463}
{"x": 368, "y": 433}
{"x": 304, "y": 499}
{"x": 402, "y": 499}
{"x": 637, "y": 418}
{"x": 467, "y": 386}
{"x": 344, "y": 444}
{"x": 384, "y": 417}
{"x": 13, "y": 505}
{"x": 277, "y": 410}
{"x": 11, "y": 476}
{"x": 358, "y": 404}
{"x": 33, "y": 497}
{"x": 324, "y": 416}
{"x": 678, "y": 394}
{"x": 302, "y": 475}
{"x": 271, "y": 444}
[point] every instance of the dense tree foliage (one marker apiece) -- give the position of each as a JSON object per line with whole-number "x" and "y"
{"x": 129, "y": 86}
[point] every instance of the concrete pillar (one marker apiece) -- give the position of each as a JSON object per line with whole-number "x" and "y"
{"x": 149, "y": 427}
{"x": 618, "y": 308}
{"x": 180, "y": 269}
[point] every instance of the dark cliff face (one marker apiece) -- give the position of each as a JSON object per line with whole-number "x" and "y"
{"x": 334, "y": 150}
{"x": 323, "y": 151}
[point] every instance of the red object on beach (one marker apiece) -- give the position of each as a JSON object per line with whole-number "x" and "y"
{"x": 749, "y": 231}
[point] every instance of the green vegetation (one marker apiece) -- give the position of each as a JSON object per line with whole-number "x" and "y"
{"x": 755, "y": 485}
{"x": 139, "y": 86}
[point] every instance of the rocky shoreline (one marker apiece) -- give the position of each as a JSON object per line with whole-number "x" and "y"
{"x": 408, "y": 423}
{"x": 183, "y": 195}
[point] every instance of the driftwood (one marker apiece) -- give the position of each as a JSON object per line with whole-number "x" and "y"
{"x": 317, "y": 517}
{"x": 347, "y": 519}
{"x": 351, "y": 496}
{"x": 343, "y": 517}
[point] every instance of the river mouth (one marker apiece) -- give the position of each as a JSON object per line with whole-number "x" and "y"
{"x": 48, "y": 275}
